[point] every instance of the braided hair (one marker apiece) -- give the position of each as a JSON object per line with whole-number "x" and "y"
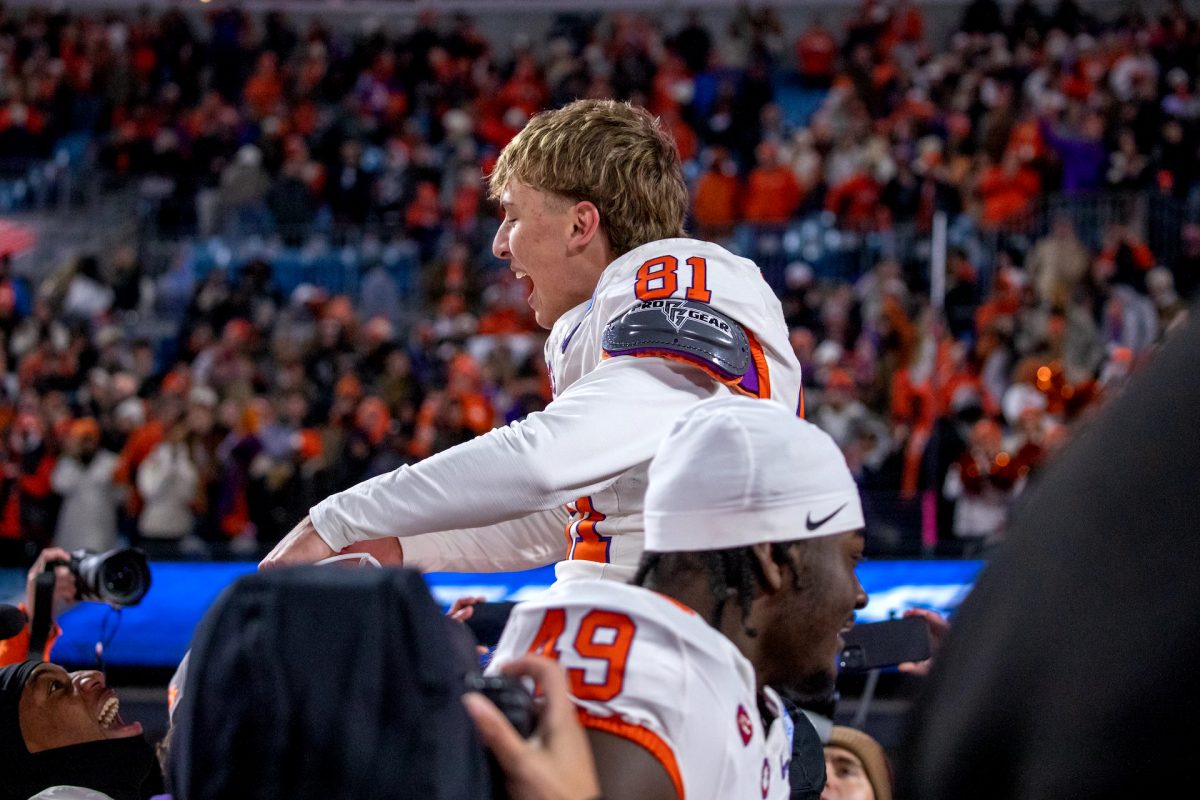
{"x": 733, "y": 572}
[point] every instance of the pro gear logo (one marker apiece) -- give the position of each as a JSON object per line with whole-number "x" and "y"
{"x": 766, "y": 777}
{"x": 692, "y": 331}
{"x": 745, "y": 726}
{"x": 679, "y": 312}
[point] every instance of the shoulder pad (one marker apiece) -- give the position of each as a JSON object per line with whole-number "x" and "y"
{"x": 693, "y": 331}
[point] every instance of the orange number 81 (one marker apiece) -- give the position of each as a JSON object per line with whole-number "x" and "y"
{"x": 662, "y": 271}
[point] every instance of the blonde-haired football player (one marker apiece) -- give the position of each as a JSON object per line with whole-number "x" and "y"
{"x": 753, "y": 534}
{"x": 643, "y": 324}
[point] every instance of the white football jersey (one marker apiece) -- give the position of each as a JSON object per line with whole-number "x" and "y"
{"x": 648, "y": 669}
{"x": 577, "y": 469}
{"x": 605, "y": 530}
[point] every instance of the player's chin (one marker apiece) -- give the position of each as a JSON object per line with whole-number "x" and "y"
{"x": 543, "y": 316}
{"x": 815, "y": 684}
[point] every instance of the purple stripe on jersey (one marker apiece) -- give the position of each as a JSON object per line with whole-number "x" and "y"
{"x": 574, "y": 330}
{"x": 749, "y": 381}
{"x": 708, "y": 365}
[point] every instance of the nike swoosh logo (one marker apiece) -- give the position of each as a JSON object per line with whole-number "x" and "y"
{"x": 812, "y": 526}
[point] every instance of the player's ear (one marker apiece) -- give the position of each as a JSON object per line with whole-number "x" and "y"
{"x": 772, "y": 573}
{"x": 585, "y": 225}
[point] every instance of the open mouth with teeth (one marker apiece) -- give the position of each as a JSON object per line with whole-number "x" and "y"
{"x": 108, "y": 712}
{"x": 109, "y": 718}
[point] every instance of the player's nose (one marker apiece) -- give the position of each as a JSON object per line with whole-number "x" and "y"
{"x": 500, "y": 245}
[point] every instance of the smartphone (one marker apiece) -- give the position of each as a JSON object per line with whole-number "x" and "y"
{"x": 875, "y": 645}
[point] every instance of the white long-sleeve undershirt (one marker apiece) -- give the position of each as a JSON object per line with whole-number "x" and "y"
{"x": 605, "y": 423}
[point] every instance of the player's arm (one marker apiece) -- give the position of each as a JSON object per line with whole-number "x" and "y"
{"x": 531, "y": 541}
{"x": 604, "y": 424}
{"x": 627, "y": 769}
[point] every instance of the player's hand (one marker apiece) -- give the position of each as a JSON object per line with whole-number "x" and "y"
{"x": 556, "y": 764}
{"x": 65, "y": 592}
{"x": 939, "y": 626}
{"x": 388, "y": 551}
{"x": 302, "y": 545}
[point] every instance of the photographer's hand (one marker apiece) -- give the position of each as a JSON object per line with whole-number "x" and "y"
{"x": 939, "y": 626}
{"x": 557, "y": 763}
{"x": 64, "y": 582}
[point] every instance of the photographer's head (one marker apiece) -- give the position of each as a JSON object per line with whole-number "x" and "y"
{"x": 753, "y": 519}
{"x": 65, "y": 729}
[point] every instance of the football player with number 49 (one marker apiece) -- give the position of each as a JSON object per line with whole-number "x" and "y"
{"x": 753, "y": 534}
{"x": 644, "y": 323}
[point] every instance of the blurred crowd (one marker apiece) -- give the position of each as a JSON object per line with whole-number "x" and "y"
{"x": 265, "y": 398}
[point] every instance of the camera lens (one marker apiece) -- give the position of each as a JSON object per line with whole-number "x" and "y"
{"x": 120, "y": 580}
{"x": 118, "y": 577}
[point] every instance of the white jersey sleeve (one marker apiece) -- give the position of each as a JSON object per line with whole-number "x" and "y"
{"x": 645, "y": 668}
{"x": 578, "y": 444}
{"x": 531, "y": 541}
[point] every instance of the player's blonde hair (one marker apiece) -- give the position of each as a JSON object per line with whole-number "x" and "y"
{"x": 613, "y": 155}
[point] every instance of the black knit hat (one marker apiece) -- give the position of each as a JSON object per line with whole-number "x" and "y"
{"x": 12, "y": 684}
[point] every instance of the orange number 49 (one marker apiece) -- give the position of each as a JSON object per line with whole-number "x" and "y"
{"x": 603, "y": 636}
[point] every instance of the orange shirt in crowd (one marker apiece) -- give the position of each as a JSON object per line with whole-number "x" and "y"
{"x": 686, "y": 141}
{"x": 1143, "y": 257}
{"x": 504, "y": 320}
{"x": 263, "y": 92}
{"x": 816, "y": 53}
{"x": 907, "y": 26}
{"x": 35, "y": 484}
{"x": 716, "y": 200}
{"x": 524, "y": 90}
{"x": 137, "y": 447}
{"x": 1025, "y": 140}
{"x": 854, "y": 201}
{"x": 772, "y": 195}
{"x": 15, "y": 650}
{"x": 1007, "y": 193}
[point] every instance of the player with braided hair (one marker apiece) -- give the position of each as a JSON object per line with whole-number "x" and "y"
{"x": 753, "y": 533}
{"x": 731, "y": 573}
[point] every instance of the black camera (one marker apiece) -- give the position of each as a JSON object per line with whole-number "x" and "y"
{"x": 117, "y": 577}
{"x": 510, "y": 696}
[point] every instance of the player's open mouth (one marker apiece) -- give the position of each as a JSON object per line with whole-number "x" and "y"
{"x": 108, "y": 711}
{"x": 109, "y": 717}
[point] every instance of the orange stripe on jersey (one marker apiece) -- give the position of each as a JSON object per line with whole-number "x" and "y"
{"x": 671, "y": 355}
{"x": 800, "y": 406}
{"x": 675, "y": 602}
{"x": 642, "y": 737}
{"x": 584, "y": 542}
